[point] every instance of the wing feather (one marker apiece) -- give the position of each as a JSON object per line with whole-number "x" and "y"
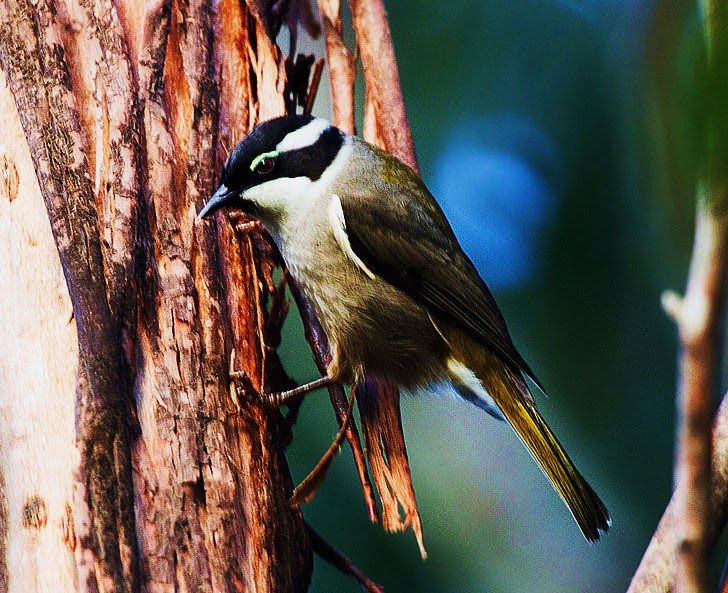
{"x": 411, "y": 245}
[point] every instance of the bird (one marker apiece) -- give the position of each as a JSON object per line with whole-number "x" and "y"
{"x": 397, "y": 297}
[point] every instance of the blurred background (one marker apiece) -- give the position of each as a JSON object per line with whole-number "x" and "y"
{"x": 560, "y": 137}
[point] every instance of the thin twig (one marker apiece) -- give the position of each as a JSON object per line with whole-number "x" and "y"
{"x": 382, "y": 78}
{"x": 341, "y": 67}
{"x": 306, "y": 490}
{"x": 326, "y": 551}
{"x": 318, "y": 69}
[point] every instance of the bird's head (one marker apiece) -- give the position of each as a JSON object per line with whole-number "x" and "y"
{"x": 271, "y": 169}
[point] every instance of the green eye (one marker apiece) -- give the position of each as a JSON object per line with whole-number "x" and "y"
{"x": 264, "y": 163}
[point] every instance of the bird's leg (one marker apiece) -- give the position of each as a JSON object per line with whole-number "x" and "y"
{"x": 283, "y": 397}
{"x": 278, "y": 399}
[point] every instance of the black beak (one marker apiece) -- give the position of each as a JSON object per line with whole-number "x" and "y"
{"x": 218, "y": 200}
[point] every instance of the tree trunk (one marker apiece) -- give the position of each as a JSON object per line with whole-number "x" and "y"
{"x": 127, "y": 460}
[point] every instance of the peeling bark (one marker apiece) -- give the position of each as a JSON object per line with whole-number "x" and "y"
{"x": 167, "y": 481}
{"x": 341, "y": 66}
{"x": 385, "y": 118}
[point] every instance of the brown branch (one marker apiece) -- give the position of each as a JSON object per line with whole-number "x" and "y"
{"x": 318, "y": 69}
{"x": 306, "y": 490}
{"x": 699, "y": 318}
{"x": 341, "y": 66}
{"x": 657, "y": 570}
{"x": 679, "y": 552}
{"x": 326, "y": 551}
{"x": 382, "y": 79}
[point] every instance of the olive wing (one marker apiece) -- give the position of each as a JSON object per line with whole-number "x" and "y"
{"x": 408, "y": 242}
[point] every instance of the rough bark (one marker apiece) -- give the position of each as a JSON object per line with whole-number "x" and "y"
{"x": 341, "y": 66}
{"x": 385, "y": 117}
{"x": 657, "y": 570}
{"x": 121, "y": 312}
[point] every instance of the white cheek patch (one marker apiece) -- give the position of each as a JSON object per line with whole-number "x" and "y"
{"x": 303, "y": 137}
{"x": 338, "y": 226}
{"x": 282, "y": 194}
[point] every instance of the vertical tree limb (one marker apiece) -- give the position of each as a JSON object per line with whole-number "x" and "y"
{"x": 381, "y": 76}
{"x": 30, "y": 39}
{"x": 341, "y": 66}
{"x": 36, "y": 310}
{"x": 657, "y": 570}
{"x": 124, "y": 145}
{"x": 699, "y": 317}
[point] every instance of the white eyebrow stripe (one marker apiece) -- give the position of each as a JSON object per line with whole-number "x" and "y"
{"x": 305, "y": 136}
{"x": 338, "y": 226}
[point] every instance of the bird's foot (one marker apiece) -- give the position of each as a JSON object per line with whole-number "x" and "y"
{"x": 272, "y": 399}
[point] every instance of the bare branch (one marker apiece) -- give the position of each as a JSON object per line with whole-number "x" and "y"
{"x": 699, "y": 323}
{"x": 341, "y": 66}
{"x": 382, "y": 79}
{"x": 326, "y": 551}
{"x": 656, "y": 572}
{"x": 678, "y": 555}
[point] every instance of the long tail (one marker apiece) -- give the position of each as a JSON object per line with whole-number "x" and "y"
{"x": 509, "y": 392}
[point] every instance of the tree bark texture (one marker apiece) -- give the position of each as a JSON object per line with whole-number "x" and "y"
{"x": 658, "y": 567}
{"x": 127, "y": 461}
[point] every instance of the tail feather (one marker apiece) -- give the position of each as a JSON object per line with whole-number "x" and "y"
{"x": 585, "y": 505}
{"x": 508, "y": 390}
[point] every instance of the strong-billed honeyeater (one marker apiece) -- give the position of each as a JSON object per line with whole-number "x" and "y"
{"x": 396, "y": 295}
